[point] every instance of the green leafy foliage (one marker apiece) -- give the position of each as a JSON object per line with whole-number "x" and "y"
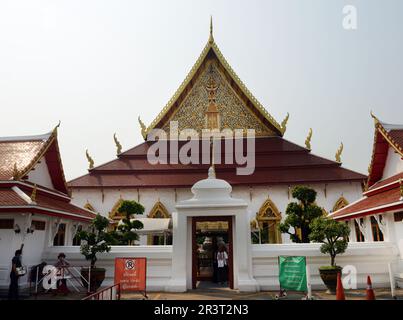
{"x": 300, "y": 214}
{"x": 126, "y": 231}
{"x": 96, "y": 240}
{"x": 332, "y": 234}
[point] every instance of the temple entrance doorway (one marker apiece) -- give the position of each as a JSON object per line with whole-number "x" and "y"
{"x": 211, "y": 235}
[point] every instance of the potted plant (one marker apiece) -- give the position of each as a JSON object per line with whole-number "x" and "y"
{"x": 126, "y": 230}
{"x": 96, "y": 240}
{"x": 299, "y": 215}
{"x": 334, "y": 238}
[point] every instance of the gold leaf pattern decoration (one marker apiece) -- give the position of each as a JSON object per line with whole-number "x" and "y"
{"x": 233, "y": 113}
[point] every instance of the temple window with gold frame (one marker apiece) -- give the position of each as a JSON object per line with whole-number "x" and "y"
{"x": 267, "y": 219}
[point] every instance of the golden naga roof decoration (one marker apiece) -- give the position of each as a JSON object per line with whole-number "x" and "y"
{"x": 211, "y": 45}
{"x": 16, "y": 172}
{"x": 401, "y": 188}
{"x": 33, "y": 195}
{"x": 284, "y": 123}
{"x": 308, "y": 139}
{"x": 339, "y": 152}
{"x": 144, "y": 130}
{"x": 118, "y": 145}
{"x": 89, "y": 159}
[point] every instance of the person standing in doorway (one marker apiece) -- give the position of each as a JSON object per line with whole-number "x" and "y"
{"x": 16, "y": 265}
{"x": 222, "y": 262}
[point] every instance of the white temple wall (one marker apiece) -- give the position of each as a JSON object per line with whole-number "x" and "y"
{"x": 35, "y": 244}
{"x": 10, "y": 241}
{"x": 367, "y": 258}
{"x": 40, "y": 175}
{"x": 254, "y": 196}
{"x": 327, "y": 195}
{"x": 394, "y": 164}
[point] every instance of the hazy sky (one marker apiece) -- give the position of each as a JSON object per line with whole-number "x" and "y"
{"x": 98, "y": 65}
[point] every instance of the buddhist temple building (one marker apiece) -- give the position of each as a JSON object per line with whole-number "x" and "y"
{"x": 378, "y": 214}
{"x": 213, "y": 97}
{"x": 35, "y": 204}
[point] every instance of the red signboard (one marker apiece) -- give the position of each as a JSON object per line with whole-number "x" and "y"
{"x": 131, "y": 273}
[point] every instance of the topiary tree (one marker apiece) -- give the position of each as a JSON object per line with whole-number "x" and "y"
{"x": 126, "y": 230}
{"x": 96, "y": 240}
{"x": 332, "y": 234}
{"x": 300, "y": 214}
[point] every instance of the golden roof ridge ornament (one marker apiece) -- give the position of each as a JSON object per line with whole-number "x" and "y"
{"x": 401, "y": 189}
{"x": 90, "y": 160}
{"x": 376, "y": 120}
{"x": 284, "y": 123}
{"x": 211, "y": 38}
{"x": 338, "y": 153}
{"x": 33, "y": 194}
{"x": 16, "y": 172}
{"x": 308, "y": 140}
{"x": 143, "y": 128}
{"x": 118, "y": 145}
{"x": 54, "y": 131}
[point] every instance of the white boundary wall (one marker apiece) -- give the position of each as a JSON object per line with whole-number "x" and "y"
{"x": 368, "y": 259}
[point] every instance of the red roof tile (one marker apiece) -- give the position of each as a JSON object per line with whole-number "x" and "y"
{"x": 277, "y": 161}
{"x": 9, "y": 197}
{"x": 44, "y": 204}
{"x": 21, "y": 153}
{"x": 388, "y": 200}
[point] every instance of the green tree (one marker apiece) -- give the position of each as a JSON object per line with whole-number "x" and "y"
{"x": 126, "y": 231}
{"x": 96, "y": 240}
{"x": 300, "y": 214}
{"x": 332, "y": 234}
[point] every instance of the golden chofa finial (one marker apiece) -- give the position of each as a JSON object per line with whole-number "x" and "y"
{"x": 211, "y": 38}
{"x": 376, "y": 120}
{"x": 55, "y": 128}
{"x": 284, "y": 123}
{"x": 308, "y": 140}
{"x": 33, "y": 194}
{"x": 16, "y": 173}
{"x": 118, "y": 145}
{"x": 89, "y": 159}
{"x": 338, "y": 153}
{"x": 143, "y": 128}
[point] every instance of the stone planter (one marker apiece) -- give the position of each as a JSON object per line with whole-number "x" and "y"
{"x": 329, "y": 277}
{"x": 97, "y": 276}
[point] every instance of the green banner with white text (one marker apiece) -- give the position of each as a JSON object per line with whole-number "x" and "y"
{"x": 292, "y": 273}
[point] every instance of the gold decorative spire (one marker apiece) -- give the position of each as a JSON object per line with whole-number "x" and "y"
{"x": 55, "y": 128}
{"x": 211, "y": 38}
{"x": 118, "y": 145}
{"x": 90, "y": 160}
{"x": 143, "y": 128}
{"x": 33, "y": 195}
{"x": 16, "y": 172}
{"x": 308, "y": 139}
{"x": 338, "y": 153}
{"x": 376, "y": 120}
{"x": 284, "y": 123}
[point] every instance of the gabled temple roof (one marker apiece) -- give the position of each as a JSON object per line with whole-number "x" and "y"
{"x": 211, "y": 51}
{"x": 19, "y": 155}
{"x": 386, "y": 135}
{"x": 278, "y": 161}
